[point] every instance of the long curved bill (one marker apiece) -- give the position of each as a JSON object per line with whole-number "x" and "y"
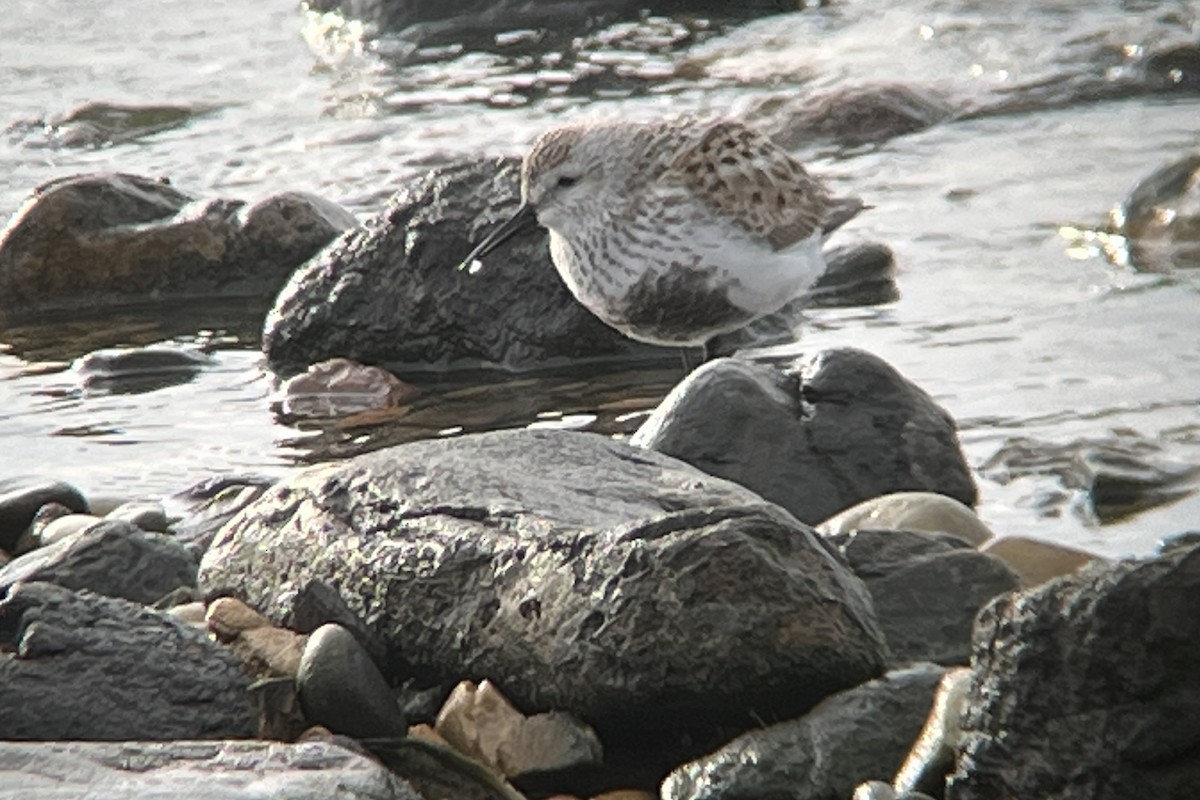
{"x": 524, "y": 220}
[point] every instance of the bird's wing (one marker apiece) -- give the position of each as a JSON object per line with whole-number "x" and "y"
{"x": 743, "y": 175}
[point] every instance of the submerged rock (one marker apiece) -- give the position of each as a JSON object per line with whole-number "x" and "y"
{"x": 1161, "y": 217}
{"x": 575, "y": 572}
{"x": 855, "y": 735}
{"x": 1086, "y": 687}
{"x": 110, "y": 238}
{"x": 830, "y": 431}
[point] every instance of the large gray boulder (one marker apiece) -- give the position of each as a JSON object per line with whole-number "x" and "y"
{"x": 1086, "y": 687}
{"x": 76, "y": 665}
{"x": 830, "y": 431}
{"x": 88, "y": 240}
{"x": 575, "y": 572}
{"x": 856, "y": 735}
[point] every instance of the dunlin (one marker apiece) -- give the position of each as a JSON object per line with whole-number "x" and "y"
{"x": 675, "y": 231}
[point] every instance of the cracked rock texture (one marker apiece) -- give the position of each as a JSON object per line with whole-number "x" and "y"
{"x": 575, "y": 572}
{"x": 1086, "y": 687}
{"x": 832, "y": 430}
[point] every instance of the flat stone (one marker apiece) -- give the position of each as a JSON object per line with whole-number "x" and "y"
{"x": 922, "y": 512}
{"x": 147, "y": 515}
{"x": 270, "y": 652}
{"x": 204, "y": 770}
{"x": 227, "y": 617}
{"x": 77, "y": 665}
{"x": 1036, "y": 561}
{"x": 831, "y": 431}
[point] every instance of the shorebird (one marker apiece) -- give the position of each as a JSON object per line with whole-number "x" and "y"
{"x": 674, "y": 231}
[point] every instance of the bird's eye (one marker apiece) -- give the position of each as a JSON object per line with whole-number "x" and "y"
{"x": 567, "y": 181}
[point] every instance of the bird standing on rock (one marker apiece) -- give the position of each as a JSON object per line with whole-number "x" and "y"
{"x": 674, "y": 231}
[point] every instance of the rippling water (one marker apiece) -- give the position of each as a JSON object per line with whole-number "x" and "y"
{"x": 1050, "y": 355}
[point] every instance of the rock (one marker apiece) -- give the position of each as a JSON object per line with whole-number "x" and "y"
{"x": 390, "y": 294}
{"x": 317, "y": 603}
{"x": 101, "y": 124}
{"x": 340, "y": 387}
{"x": 440, "y": 772}
{"x": 60, "y": 528}
{"x": 147, "y": 515}
{"x": 1085, "y": 687}
{"x": 110, "y": 557}
{"x": 202, "y": 509}
{"x": 279, "y": 714}
{"x": 33, "y": 536}
{"x": 77, "y": 665}
{"x": 484, "y": 17}
{"x": 270, "y": 652}
{"x": 854, "y": 115}
{"x": 134, "y": 370}
{"x": 191, "y": 613}
{"x": 1035, "y": 561}
{"x": 1161, "y": 217}
{"x": 932, "y": 756}
{"x": 854, "y": 735}
{"x": 87, "y": 241}
{"x": 919, "y": 512}
{"x": 878, "y": 790}
{"x": 831, "y": 431}
{"x": 341, "y": 687}
{"x": 479, "y": 722}
{"x": 20, "y": 499}
{"x": 926, "y": 590}
{"x": 228, "y": 617}
{"x": 203, "y": 770}
{"x": 579, "y": 573}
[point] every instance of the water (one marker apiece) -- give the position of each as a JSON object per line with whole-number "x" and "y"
{"x": 1047, "y": 353}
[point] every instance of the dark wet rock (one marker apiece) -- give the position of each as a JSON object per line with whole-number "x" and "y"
{"x": 439, "y": 20}
{"x": 146, "y": 514}
{"x": 278, "y": 707}
{"x": 77, "y": 665}
{"x": 101, "y": 123}
{"x": 133, "y": 370}
{"x": 926, "y": 589}
{"x": 578, "y": 573}
{"x": 392, "y": 295}
{"x": 317, "y": 603}
{"x": 1161, "y": 217}
{"x": 1173, "y": 67}
{"x": 103, "y": 239}
{"x": 202, "y": 509}
{"x": 859, "y": 734}
{"x": 228, "y": 770}
{"x": 830, "y": 431}
{"x": 1104, "y": 480}
{"x": 854, "y": 115}
{"x": 932, "y": 756}
{"x": 437, "y": 771}
{"x": 341, "y": 688}
{"x": 111, "y": 557}
{"x": 1086, "y": 687}
{"x": 20, "y": 499}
